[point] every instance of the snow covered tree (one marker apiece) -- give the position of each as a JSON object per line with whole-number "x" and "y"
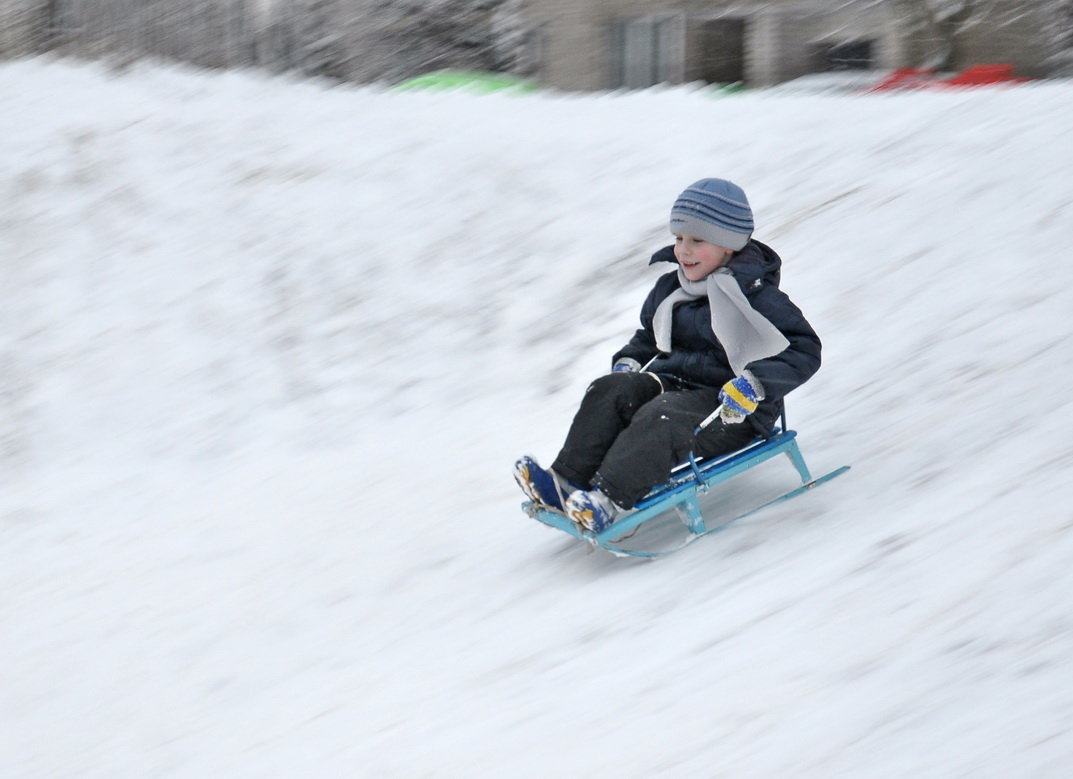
{"x": 401, "y": 38}
{"x": 371, "y": 40}
{"x": 939, "y": 27}
{"x": 1058, "y": 23}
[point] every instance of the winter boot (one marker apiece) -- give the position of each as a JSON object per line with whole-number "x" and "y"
{"x": 541, "y": 486}
{"x": 591, "y": 510}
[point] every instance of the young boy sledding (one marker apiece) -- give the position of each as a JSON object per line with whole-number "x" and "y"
{"x": 717, "y": 332}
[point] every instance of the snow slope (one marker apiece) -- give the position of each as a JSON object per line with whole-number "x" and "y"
{"x": 268, "y": 350}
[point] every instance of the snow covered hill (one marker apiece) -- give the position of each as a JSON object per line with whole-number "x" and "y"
{"x": 268, "y": 350}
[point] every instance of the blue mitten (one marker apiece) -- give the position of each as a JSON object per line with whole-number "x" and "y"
{"x": 740, "y": 397}
{"x": 626, "y": 365}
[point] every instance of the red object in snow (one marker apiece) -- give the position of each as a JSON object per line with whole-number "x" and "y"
{"x": 983, "y": 75}
{"x": 906, "y": 78}
{"x": 927, "y": 78}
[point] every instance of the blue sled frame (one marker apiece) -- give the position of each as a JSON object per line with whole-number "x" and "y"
{"x": 682, "y": 492}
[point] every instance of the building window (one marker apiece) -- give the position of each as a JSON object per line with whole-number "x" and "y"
{"x": 531, "y": 55}
{"x": 853, "y": 55}
{"x": 648, "y": 50}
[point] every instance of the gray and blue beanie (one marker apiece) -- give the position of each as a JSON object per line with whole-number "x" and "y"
{"x": 716, "y": 211}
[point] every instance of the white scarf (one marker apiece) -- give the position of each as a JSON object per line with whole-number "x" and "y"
{"x": 744, "y": 333}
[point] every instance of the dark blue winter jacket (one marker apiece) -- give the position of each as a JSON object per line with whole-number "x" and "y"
{"x": 697, "y": 359}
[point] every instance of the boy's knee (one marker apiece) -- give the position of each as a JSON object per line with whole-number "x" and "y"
{"x": 626, "y": 385}
{"x": 653, "y": 412}
{"x": 608, "y": 381}
{"x": 664, "y": 420}
{"x": 666, "y": 408}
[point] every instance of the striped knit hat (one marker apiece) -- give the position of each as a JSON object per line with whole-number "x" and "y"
{"x": 714, "y": 210}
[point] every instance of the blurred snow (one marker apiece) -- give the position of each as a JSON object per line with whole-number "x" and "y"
{"x": 268, "y": 351}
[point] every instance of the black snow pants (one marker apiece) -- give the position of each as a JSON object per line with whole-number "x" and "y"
{"x": 629, "y": 433}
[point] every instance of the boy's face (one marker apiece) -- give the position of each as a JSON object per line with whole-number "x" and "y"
{"x": 698, "y": 258}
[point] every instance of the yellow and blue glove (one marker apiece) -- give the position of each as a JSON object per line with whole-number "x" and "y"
{"x": 739, "y": 398}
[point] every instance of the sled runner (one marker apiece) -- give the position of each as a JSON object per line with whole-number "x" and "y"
{"x": 680, "y": 497}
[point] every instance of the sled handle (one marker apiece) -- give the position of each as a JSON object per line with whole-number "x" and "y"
{"x": 709, "y": 419}
{"x": 715, "y": 415}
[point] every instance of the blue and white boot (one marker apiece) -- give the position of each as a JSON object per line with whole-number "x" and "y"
{"x": 540, "y": 485}
{"x": 592, "y": 510}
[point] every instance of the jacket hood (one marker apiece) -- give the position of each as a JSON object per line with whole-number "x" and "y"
{"x": 757, "y": 261}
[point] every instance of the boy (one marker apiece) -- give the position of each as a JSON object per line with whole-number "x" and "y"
{"x": 715, "y": 333}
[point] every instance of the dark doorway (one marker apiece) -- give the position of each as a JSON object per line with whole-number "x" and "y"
{"x": 719, "y": 56}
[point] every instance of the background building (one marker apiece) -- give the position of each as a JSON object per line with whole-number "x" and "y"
{"x": 600, "y": 44}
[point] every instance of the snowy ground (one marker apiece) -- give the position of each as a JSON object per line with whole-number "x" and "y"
{"x": 268, "y": 350}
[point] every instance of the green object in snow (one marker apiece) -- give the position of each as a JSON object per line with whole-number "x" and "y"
{"x": 469, "y": 81}
{"x": 725, "y": 88}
